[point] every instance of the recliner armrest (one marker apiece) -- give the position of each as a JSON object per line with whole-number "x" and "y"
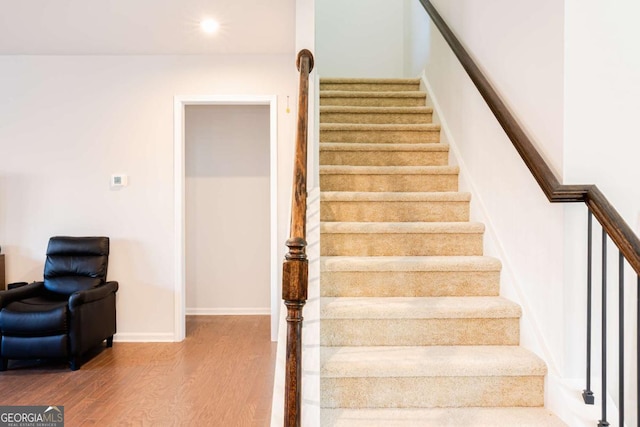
{"x": 16, "y": 285}
{"x": 94, "y": 294}
{"x": 20, "y": 292}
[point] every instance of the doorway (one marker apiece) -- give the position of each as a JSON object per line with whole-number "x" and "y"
{"x": 225, "y": 198}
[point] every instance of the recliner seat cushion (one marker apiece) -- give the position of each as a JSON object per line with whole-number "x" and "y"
{"x": 34, "y": 317}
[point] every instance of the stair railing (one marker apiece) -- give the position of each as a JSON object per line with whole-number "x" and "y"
{"x": 613, "y": 226}
{"x": 295, "y": 269}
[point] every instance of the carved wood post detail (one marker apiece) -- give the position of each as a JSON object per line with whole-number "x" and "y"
{"x": 295, "y": 270}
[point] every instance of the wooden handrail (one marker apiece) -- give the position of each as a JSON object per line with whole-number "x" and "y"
{"x": 295, "y": 270}
{"x": 617, "y": 229}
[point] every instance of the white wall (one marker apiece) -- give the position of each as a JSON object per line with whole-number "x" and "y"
{"x": 520, "y": 47}
{"x": 498, "y": 175}
{"x": 359, "y": 38}
{"x": 227, "y": 209}
{"x": 569, "y": 72}
{"x": 518, "y": 44}
{"x": 602, "y": 89}
{"x": 68, "y": 122}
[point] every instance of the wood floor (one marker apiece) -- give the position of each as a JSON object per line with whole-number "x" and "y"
{"x": 221, "y": 375}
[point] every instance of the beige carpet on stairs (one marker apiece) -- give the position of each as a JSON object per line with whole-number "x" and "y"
{"x": 413, "y": 329}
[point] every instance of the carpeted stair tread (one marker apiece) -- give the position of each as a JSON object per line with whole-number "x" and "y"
{"x": 440, "y": 417}
{"x": 433, "y": 391}
{"x": 374, "y": 110}
{"x": 371, "y": 94}
{"x": 402, "y": 227}
{"x": 401, "y": 238}
{"x": 383, "y": 154}
{"x": 410, "y": 263}
{"x": 373, "y": 98}
{"x": 419, "y": 308}
{"x": 418, "y": 361}
{"x": 369, "y": 80}
{"x": 375, "y": 114}
{"x": 409, "y": 276}
{"x": 412, "y": 321}
{"x": 350, "y": 146}
{"x": 388, "y": 170}
{"x": 394, "y": 196}
{"x": 367, "y": 206}
{"x": 388, "y": 178}
{"x": 385, "y": 133}
{"x": 376, "y": 127}
{"x": 369, "y": 84}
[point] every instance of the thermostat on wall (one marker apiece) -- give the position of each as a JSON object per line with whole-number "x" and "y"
{"x": 119, "y": 180}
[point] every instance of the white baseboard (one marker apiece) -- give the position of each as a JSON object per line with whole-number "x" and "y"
{"x": 144, "y": 337}
{"x": 242, "y": 311}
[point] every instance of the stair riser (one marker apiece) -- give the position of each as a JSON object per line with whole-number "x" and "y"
{"x": 371, "y": 118}
{"x": 414, "y": 244}
{"x": 373, "y": 101}
{"x": 384, "y": 158}
{"x": 431, "y": 392}
{"x": 381, "y": 136}
{"x": 441, "y": 417}
{"x": 408, "y": 283}
{"x": 367, "y": 332}
{"x": 351, "y": 182}
{"x": 394, "y": 211}
{"x": 371, "y": 87}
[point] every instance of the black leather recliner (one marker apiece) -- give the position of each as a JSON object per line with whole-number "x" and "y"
{"x": 70, "y": 312}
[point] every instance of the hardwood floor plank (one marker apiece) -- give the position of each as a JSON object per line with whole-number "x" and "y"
{"x": 220, "y": 375}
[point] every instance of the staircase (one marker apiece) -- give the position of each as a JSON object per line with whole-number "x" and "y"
{"x": 413, "y": 330}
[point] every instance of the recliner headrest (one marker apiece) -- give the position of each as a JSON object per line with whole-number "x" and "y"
{"x": 64, "y": 245}
{"x": 76, "y": 263}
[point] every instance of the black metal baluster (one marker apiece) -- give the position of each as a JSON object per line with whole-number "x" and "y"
{"x": 587, "y": 394}
{"x": 603, "y": 422}
{"x": 621, "y": 339}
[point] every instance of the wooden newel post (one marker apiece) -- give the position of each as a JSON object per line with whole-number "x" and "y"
{"x": 294, "y": 275}
{"x": 295, "y": 270}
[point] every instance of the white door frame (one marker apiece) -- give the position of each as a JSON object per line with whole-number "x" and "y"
{"x": 180, "y": 102}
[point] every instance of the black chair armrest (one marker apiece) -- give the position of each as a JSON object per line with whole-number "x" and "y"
{"x": 20, "y": 292}
{"x": 16, "y": 285}
{"x": 90, "y": 295}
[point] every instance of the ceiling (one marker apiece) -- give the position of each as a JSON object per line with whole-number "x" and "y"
{"x": 145, "y": 27}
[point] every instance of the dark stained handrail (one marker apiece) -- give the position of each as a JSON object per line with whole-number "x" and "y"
{"x": 617, "y": 229}
{"x": 295, "y": 270}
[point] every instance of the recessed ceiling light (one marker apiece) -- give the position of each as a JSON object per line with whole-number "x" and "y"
{"x": 209, "y": 25}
